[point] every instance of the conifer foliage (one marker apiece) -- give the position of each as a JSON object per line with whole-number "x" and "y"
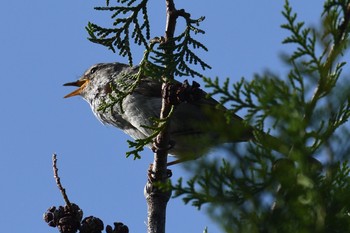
{"x": 266, "y": 191}
{"x": 254, "y": 188}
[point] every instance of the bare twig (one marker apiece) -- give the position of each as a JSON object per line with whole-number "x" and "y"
{"x": 58, "y": 181}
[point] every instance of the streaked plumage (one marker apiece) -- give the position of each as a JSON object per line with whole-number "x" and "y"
{"x": 195, "y": 127}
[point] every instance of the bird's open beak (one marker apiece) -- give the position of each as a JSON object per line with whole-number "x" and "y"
{"x": 80, "y": 83}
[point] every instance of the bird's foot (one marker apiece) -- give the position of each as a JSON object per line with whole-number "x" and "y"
{"x": 156, "y": 148}
{"x": 151, "y": 175}
{"x": 177, "y": 93}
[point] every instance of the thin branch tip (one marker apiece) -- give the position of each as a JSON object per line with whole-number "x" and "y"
{"x": 58, "y": 181}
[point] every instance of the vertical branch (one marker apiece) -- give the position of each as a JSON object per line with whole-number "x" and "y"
{"x": 58, "y": 181}
{"x": 157, "y": 199}
{"x": 339, "y": 43}
{"x": 163, "y": 138}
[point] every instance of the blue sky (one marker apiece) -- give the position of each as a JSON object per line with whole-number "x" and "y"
{"x": 43, "y": 45}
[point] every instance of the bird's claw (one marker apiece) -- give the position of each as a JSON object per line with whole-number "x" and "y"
{"x": 156, "y": 148}
{"x": 151, "y": 174}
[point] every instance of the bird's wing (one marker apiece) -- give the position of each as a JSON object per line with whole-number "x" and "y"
{"x": 144, "y": 104}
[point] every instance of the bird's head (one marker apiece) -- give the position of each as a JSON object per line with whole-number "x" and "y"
{"x": 96, "y": 80}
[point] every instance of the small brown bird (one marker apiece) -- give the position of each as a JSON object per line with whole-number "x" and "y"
{"x": 196, "y": 126}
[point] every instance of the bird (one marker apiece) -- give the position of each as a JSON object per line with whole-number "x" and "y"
{"x": 195, "y": 127}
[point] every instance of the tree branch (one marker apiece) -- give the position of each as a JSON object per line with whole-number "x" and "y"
{"x": 157, "y": 199}
{"x": 58, "y": 181}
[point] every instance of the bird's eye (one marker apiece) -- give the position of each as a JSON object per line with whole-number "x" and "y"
{"x": 93, "y": 70}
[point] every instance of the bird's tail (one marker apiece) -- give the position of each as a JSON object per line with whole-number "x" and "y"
{"x": 271, "y": 142}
